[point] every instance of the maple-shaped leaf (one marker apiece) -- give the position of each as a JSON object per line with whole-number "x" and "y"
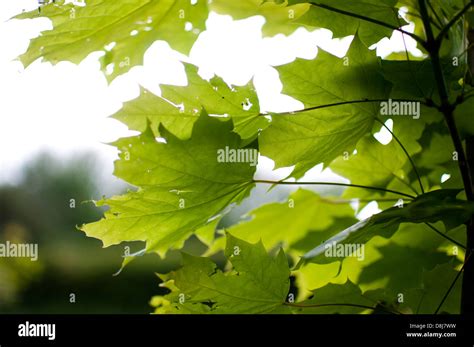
{"x": 440, "y": 205}
{"x": 122, "y": 29}
{"x": 179, "y": 107}
{"x": 340, "y": 16}
{"x": 279, "y": 17}
{"x": 344, "y": 298}
{"x": 182, "y": 185}
{"x": 309, "y": 138}
{"x": 257, "y": 283}
{"x": 293, "y": 223}
{"x": 436, "y": 283}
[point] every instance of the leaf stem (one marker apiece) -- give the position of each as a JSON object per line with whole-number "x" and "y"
{"x": 371, "y": 20}
{"x": 341, "y": 103}
{"x": 452, "y": 284}
{"x": 445, "y": 236}
{"x": 406, "y": 153}
{"x": 336, "y": 184}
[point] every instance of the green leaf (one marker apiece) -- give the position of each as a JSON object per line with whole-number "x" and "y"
{"x": 415, "y": 80}
{"x": 438, "y": 151}
{"x": 132, "y": 25}
{"x": 183, "y": 109}
{"x": 309, "y": 138}
{"x": 279, "y": 18}
{"x": 392, "y": 258}
{"x": 258, "y": 283}
{"x": 383, "y": 264}
{"x": 435, "y": 285}
{"x": 410, "y": 79}
{"x": 344, "y": 25}
{"x": 182, "y": 186}
{"x": 304, "y": 215}
{"x": 463, "y": 117}
{"x": 374, "y": 165}
{"x": 440, "y": 205}
{"x": 344, "y": 298}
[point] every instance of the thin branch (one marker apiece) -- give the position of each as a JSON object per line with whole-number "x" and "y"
{"x": 445, "y": 236}
{"x": 406, "y": 153}
{"x": 452, "y": 284}
{"x": 371, "y": 20}
{"x": 336, "y": 184}
{"x": 339, "y": 304}
{"x": 453, "y": 21}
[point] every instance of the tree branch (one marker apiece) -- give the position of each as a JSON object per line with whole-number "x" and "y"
{"x": 433, "y": 47}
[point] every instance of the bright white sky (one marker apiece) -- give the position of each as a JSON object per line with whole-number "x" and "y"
{"x": 64, "y": 108}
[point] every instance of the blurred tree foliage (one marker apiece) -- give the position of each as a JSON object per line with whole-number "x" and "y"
{"x": 38, "y": 210}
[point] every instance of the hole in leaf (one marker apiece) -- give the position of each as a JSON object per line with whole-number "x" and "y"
{"x": 109, "y": 69}
{"x": 160, "y": 139}
{"x": 383, "y": 135}
{"x": 110, "y": 46}
{"x": 445, "y": 177}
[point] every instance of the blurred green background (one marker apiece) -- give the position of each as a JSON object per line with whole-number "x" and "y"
{"x": 38, "y": 210}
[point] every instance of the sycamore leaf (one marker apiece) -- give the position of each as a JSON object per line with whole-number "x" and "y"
{"x": 437, "y": 152}
{"x": 410, "y": 79}
{"x": 436, "y": 283}
{"x": 181, "y": 186}
{"x": 304, "y": 217}
{"x": 415, "y": 80}
{"x": 205, "y": 234}
{"x": 383, "y": 261}
{"x": 392, "y": 258}
{"x": 373, "y": 165}
{"x": 440, "y": 205}
{"x": 309, "y": 138}
{"x": 344, "y": 298}
{"x": 130, "y": 26}
{"x": 179, "y": 107}
{"x": 343, "y": 25}
{"x": 279, "y": 18}
{"x": 258, "y": 283}
{"x": 463, "y": 116}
